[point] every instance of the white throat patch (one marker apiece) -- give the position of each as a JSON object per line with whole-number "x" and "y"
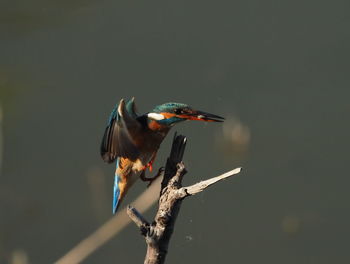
{"x": 155, "y": 116}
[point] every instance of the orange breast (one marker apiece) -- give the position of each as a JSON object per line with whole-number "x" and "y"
{"x": 154, "y": 125}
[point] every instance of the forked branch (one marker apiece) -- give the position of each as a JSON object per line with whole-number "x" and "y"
{"x": 172, "y": 193}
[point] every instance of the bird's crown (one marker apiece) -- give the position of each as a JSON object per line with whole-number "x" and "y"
{"x": 169, "y": 107}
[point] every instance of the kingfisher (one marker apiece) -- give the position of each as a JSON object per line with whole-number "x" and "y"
{"x": 132, "y": 140}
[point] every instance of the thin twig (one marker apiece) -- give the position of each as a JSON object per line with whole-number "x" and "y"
{"x": 138, "y": 219}
{"x": 201, "y": 186}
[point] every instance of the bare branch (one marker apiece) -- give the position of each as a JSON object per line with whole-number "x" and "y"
{"x": 138, "y": 219}
{"x": 201, "y": 186}
{"x": 172, "y": 193}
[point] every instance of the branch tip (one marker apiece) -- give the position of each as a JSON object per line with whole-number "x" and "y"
{"x": 138, "y": 219}
{"x": 201, "y": 186}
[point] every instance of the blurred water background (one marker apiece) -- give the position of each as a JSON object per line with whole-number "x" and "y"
{"x": 279, "y": 72}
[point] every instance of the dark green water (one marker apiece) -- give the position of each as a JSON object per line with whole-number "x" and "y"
{"x": 281, "y": 67}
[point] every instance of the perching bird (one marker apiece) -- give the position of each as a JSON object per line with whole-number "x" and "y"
{"x": 133, "y": 140}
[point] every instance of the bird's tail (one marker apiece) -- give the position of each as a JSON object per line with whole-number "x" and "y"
{"x": 117, "y": 197}
{"x": 122, "y": 183}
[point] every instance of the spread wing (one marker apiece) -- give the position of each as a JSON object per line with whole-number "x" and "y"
{"x": 117, "y": 140}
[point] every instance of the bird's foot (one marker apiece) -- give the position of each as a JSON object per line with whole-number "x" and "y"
{"x": 151, "y": 179}
{"x": 149, "y": 165}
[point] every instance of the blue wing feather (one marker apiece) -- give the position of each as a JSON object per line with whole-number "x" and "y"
{"x": 116, "y": 190}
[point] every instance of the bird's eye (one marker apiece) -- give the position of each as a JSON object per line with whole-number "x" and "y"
{"x": 178, "y": 111}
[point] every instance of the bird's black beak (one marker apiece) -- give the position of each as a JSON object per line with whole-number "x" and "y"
{"x": 202, "y": 116}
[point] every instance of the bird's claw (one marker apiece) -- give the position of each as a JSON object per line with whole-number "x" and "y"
{"x": 151, "y": 179}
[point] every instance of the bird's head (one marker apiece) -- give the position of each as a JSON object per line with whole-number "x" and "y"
{"x": 169, "y": 114}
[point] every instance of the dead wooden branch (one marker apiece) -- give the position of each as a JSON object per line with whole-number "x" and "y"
{"x": 172, "y": 193}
